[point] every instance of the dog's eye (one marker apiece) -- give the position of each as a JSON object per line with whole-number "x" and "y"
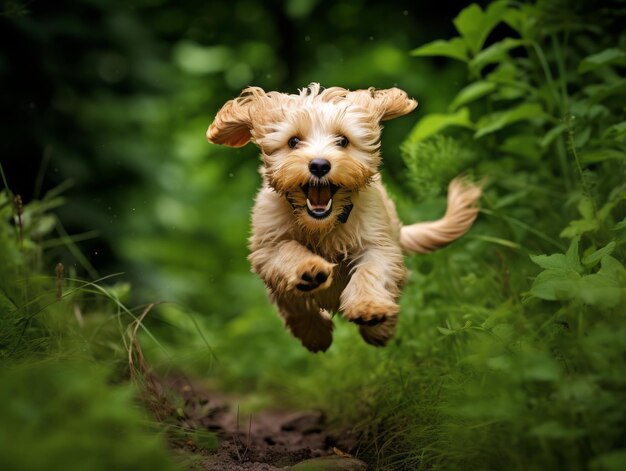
{"x": 293, "y": 142}
{"x": 343, "y": 141}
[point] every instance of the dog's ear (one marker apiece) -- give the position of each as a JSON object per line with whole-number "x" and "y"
{"x": 384, "y": 104}
{"x": 392, "y": 103}
{"x": 233, "y": 123}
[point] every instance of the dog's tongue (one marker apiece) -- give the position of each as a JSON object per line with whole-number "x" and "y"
{"x": 319, "y": 195}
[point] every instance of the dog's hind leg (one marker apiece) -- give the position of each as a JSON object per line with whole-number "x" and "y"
{"x": 312, "y": 326}
{"x": 370, "y": 297}
{"x": 379, "y": 334}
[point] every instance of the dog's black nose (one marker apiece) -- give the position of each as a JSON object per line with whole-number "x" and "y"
{"x": 319, "y": 167}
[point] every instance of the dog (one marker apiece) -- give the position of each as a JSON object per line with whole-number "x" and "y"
{"x": 326, "y": 237}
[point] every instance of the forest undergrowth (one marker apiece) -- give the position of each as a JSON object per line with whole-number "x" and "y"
{"x": 510, "y": 351}
{"x": 511, "y": 345}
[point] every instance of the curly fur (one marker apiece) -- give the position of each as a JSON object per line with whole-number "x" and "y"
{"x": 350, "y": 259}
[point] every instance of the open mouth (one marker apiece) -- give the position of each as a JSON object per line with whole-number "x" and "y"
{"x": 319, "y": 199}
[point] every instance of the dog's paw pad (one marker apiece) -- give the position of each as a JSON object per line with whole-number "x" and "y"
{"x": 310, "y": 281}
{"x": 308, "y": 286}
{"x": 372, "y": 321}
{"x": 312, "y": 276}
{"x": 306, "y": 277}
{"x": 321, "y": 277}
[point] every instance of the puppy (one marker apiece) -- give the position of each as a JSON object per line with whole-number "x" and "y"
{"x": 326, "y": 237}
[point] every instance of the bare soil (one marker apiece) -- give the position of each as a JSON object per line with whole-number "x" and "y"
{"x": 273, "y": 439}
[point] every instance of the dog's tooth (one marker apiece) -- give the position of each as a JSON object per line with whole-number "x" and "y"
{"x": 330, "y": 203}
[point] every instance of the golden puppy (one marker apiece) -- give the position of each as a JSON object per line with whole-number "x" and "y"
{"x": 325, "y": 235}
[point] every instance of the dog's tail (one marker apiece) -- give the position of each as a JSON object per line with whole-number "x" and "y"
{"x": 425, "y": 237}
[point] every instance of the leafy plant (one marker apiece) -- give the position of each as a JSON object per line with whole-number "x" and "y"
{"x": 567, "y": 278}
{"x": 543, "y": 113}
{"x": 506, "y": 358}
{"x": 63, "y": 356}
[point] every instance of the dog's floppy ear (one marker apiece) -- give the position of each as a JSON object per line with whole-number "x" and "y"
{"x": 392, "y": 103}
{"x": 385, "y": 104}
{"x": 233, "y": 123}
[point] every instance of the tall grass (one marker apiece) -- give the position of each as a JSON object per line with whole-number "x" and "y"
{"x": 64, "y": 399}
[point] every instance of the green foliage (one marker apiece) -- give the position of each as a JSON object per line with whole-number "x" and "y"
{"x": 495, "y": 357}
{"x": 435, "y": 122}
{"x": 434, "y": 162}
{"x": 565, "y": 279}
{"x": 67, "y": 416}
{"x": 510, "y": 351}
{"x": 61, "y": 357}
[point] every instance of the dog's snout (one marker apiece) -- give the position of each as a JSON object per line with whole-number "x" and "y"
{"x": 319, "y": 167}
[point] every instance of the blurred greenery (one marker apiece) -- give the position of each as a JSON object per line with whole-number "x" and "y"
{"x": 119, "y": 98}
{"x": 66, "y": 416}
{"x": 65, "y": 402}
{"x": 510, "y": 350}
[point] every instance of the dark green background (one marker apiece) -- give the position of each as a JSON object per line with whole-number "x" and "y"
{"x": 114, "y": 98}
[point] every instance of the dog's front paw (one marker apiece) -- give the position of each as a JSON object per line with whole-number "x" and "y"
{"x": 313, "y": 274}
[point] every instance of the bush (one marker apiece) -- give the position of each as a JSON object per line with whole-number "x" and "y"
{"x": 63, "y": 403}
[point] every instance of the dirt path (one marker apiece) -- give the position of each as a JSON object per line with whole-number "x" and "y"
{"x": 276, "y": 439}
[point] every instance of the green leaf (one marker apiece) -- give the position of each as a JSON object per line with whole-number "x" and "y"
{"x": 613, "y": 268}
{"x": 593, "y": 258}
{"x": 607, "y": 288}
{"x": 600, "y": 290}
{"x": 554, "y": 285}
{"x": 454, "y": 48}
{"x": 472, "y": 92}
{"x": 586, "y": 109}
{"x": 474, "y": 24}
{"x": 601, "y": 155}
{"x": 562, "y": 280}
{"x": 617, "y": 131}
{"x": 523, "y": 145}
{"x": 605, "y": 210}
{"x": 573, "y": 260}
{"x": 601, "y": 59}
{"x": 554, "y": 261}
{"x": 588, "y": 223}
{"x": 495, "y": 53}
{"x": 504, "y": 73}
{"x": 562, "y": 275}
{"x": 516, "y": 19}
{"x": 559, "y": 261}
{"x": 600, "y": 92}
{"x": 579, "y": 227}
{"x": 552, "y": 134}
{"x": 445, "y": 331}
{"x": 620, "y": 225}
{"x": 510, "y": 93}
{"x": 495, "y": 121}
{"x": 433, "y": 123}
